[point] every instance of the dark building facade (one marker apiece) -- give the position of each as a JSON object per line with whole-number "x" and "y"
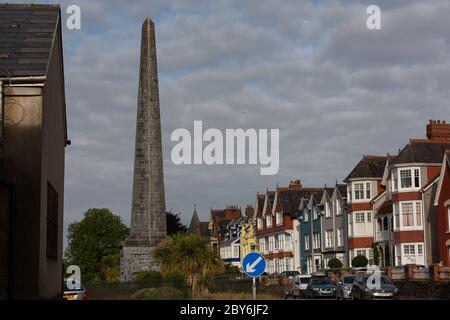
{"x": 33, "y": 137}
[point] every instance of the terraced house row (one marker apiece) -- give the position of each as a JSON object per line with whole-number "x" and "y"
{"x": 393, "y": 209}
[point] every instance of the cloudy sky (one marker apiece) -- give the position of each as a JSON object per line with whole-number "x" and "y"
{"x": 311, "y": 69}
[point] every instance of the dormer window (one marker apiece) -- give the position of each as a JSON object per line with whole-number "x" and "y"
{"x": 260, "y": 223}
{"x": 279, "y": 218}
{"x": 269, "y": 221}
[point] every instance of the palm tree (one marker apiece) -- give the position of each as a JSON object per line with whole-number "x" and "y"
{"x": 189, "y": 254}
{"x": 163, "y": 254}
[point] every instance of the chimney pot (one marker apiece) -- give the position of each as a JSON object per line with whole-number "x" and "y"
{"x": 438, "y": 131}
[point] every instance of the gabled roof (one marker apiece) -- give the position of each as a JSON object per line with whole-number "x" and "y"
{"x": 422, "y": 151}
{"x": 259, "y": 204}
{"x": 444, "y": 168}
{"x": 327, "y": 194}
{"x": 198, "y": 227}
{"x": 27, "y": 34}
{"x": 342, "y": 188}
{"x": 306, "y": 197}
{"x": 369, "y": 167}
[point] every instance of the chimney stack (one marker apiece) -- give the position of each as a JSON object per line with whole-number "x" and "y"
{"x": 438, "y": 130}
{"x": 295, "y": 184}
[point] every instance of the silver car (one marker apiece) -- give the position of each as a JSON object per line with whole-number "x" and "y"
{"x": 299, "y": 285}
{"x": 80, "y": 293}
{"x": 344, "y": 287}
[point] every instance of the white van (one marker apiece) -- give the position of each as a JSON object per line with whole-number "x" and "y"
{"x": 299, "y": 285}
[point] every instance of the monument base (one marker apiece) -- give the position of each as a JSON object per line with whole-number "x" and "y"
{"x": 134, "y": 260}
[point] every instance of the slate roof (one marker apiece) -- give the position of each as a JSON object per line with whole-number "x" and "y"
{"x": 369, "y": 167}
{"x": 342, "y": 188}
{"x": 418, "y": 151}
{"x": 385, "y": 208}
{"x": 27, "y": 33}
{"x": 204, "y": 231}
{"x": 290, "y": 199}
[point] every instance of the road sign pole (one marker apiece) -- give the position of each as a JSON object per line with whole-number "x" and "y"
{"x": 254, "y": 289}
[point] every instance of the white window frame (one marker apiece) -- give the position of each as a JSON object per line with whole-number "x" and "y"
{"x": 260, "y": 223}
{"x": 281, "y": 242}
{"x": 358, "y": 190}
{"x": 338, "y": 208}
{"x": 340, "y": 236}
{"x": 412, "y": 172}
{"x": 448, "y": 218}
{"x": 358, "y": 216}
{"x": 415, "y": 204}
{"x": 306, "y": 241}
{"x": 269, "y": 221}
{"x": 368, "y": 190}
{"x": 279, "y": 218}
{"x": 327, "y": 210}
{"x": 329, "y": 238}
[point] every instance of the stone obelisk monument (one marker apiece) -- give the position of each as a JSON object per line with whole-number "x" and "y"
{"x": 148, "y": 215}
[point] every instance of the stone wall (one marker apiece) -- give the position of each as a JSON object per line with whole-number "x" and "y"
{"x": 134, "y": 260}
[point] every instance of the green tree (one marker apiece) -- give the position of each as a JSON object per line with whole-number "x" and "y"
{"x": 360, "y": 261}
{"x": 335, "y": 263}
{"x": 376, "y": 254}
{"x": 111, "y": 267}
{"x": 97, "y": 236}
{"x": 191, "y": 255}
{"x": 174, "y": 224}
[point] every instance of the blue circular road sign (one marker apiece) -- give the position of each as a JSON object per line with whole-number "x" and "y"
{"x": 254, "y": 264}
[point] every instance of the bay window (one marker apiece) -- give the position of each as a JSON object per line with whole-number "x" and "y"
{"x": 410, "y": 178}
{"x": 418, "y": 214}
{"x": 368, "y": 191}
{"x": 359, "y": 191}
{"x": 411, "y": 214}
{"x": 359, "y": 217}
{"x": 407, "y": 214}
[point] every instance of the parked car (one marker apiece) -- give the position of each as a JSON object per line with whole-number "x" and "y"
{"x": 344, "y": 286}
{"x": 286, "y": 277}
{"x": 320, "y": 287}
{"x": 361, "y": 288}
{"x": 75, "y": 294}
{"x": 299, "y": 285}
{"x": 289, "y": 274}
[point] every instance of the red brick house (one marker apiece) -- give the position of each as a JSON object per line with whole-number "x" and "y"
{"x": 442, "y": 204}
{"x": 363, "y": 185}
{"x": 411, "y": 181}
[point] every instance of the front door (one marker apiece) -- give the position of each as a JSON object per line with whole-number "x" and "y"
{"x": 5, "y": 229}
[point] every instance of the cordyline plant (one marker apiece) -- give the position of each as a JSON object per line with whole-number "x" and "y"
{"x": 190, "y": 254}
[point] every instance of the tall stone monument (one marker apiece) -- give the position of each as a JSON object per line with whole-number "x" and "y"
{"x": 148, "y": 215}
